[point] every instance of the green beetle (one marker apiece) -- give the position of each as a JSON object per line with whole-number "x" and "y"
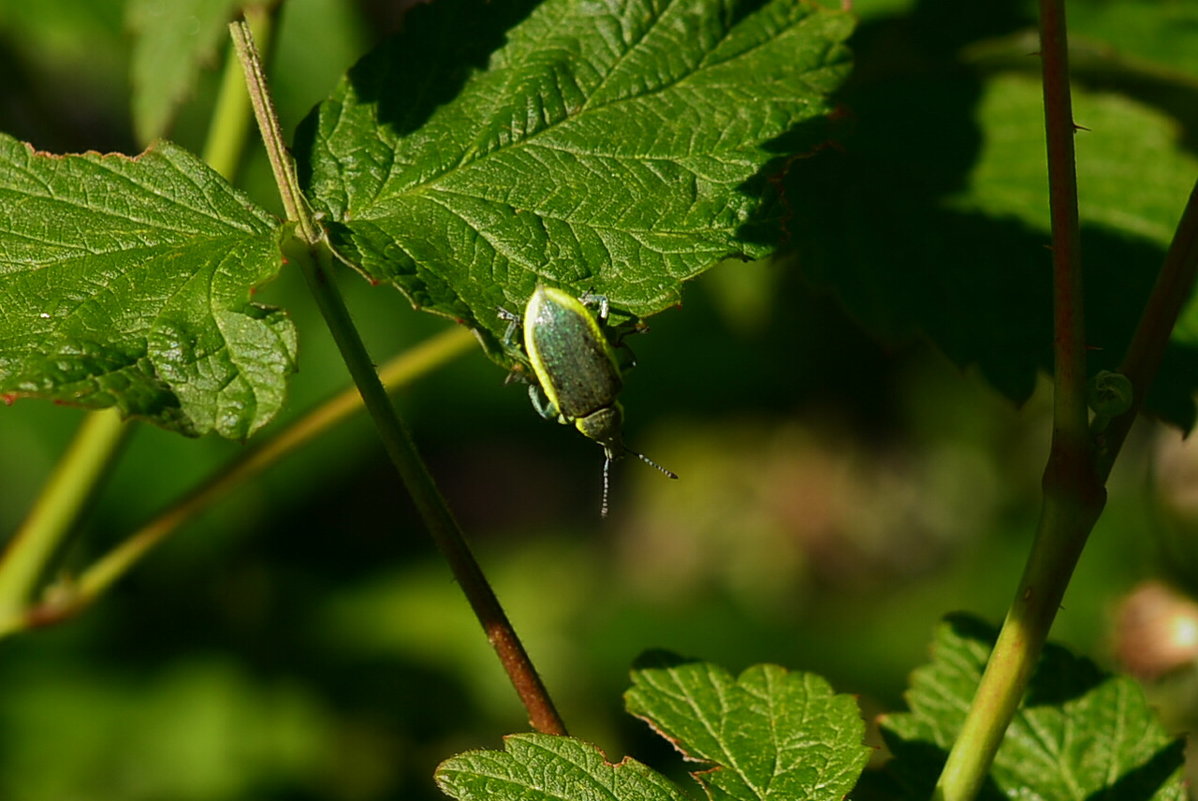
{"x": 577, "y": 371}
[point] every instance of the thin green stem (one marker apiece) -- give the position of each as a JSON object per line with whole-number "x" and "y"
{"x": 78, "y": 477}
{"x": 71, "y": 597}
{"x": 1073, "y": 492}
{"x": 1065, "y": 524}
{"x": 232, "y": 114}
{"x": 65, "y": 495}
{"x": 315, "y": 260}
{"x": 272, "y": 135}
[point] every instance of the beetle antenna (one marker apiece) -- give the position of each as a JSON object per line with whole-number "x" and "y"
{"x": 651, "y": 463}
{"x": 606, "y": 471}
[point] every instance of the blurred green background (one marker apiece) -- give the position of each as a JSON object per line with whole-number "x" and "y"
{"x": 304, "y": 641}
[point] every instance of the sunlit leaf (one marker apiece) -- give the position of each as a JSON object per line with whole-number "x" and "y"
{"x": 126, "y": 282}
{"x": 616, "y": 148}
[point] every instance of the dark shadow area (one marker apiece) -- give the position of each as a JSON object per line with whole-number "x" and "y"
{"x": 1144, "y": 782}
{"x": 410, "y": 75}
{"x": 868, "y": 218}
{"x": 911, "y": 773}
{"x": 53, "y": 119}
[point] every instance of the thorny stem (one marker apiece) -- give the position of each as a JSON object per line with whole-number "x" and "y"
{"x": 1073, "y": 491}
{"x": 1172, "y": 290}
{"x": 315, "y": 258}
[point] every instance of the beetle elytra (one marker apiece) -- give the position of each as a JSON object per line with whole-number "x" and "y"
{"x": 577, "y": 372}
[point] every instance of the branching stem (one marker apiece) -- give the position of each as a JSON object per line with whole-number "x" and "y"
{"x": 70, "y": 597}
{"x": 78, "y": 477}
{"x": 1081, "y": 454}
{"x": 1073, "y": 492}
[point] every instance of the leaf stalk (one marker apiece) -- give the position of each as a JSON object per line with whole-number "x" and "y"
{"x": 230, "y": 124}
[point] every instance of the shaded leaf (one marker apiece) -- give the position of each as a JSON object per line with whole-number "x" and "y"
{"x": 172, "y": 41}
{"x": 1080, "y": 734}
{"x": 939, "y": 225}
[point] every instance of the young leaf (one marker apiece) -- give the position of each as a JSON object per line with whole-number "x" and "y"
{"x": 770, "y": 734}
{"x": 535, "y": 767}
{"x": 172, "y": 41}
{"x": 1080, "y": 734}
{"x": 126, "y": 282}
{"x": 618, "y": 148}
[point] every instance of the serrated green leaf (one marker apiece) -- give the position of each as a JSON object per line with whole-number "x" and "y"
{"x": 1080, "y": 734}
{"x": 770, "y": 734}
{"x": 126, "y": 281}
{"x": 172, "y": 41}
{"x": 532, "y": 767}
{"x": 608, "y": 147}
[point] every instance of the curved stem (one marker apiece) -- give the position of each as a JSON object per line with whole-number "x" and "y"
{"x": 1065, "y": 523}
{"x": 73, "y": 484}
{"x": 80, "y": 473}
{"x": 315, "y": 259}
{"x": 69, "y": 598}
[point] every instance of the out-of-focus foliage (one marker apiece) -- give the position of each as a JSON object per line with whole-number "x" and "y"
{"x": 929, "y": 217}
{"x": 837, "y": 497}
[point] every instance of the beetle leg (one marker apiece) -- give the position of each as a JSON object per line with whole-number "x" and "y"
{"x": 513, "y": 325}
{"x": 542, "y": 404}
{"x": 591, "y": 299}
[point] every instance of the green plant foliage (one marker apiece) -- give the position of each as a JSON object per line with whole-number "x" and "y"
{"x": 931, "y": 216}
{"x": 494, "y": 146}
{"x": 126, "y": 282}
{"x": 185, "y": 734}
{"x": 1080, "y": 734}
{"x": 768, "y": 733}
{"x": 532, "y": 767}
{"x": 1142, "y": 34}
{"x": 172, "y": 41}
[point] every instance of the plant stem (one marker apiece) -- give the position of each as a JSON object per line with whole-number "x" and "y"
{"x": 69, "y": 490}
{"x": 1073, "y": 491}
{"x": 70, "y": 597}
{"x": 315, "y": 258}
{"x": 1169, "y": 295}
{"x": 77, "y": 478}
{"x": 231, "y": 116}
